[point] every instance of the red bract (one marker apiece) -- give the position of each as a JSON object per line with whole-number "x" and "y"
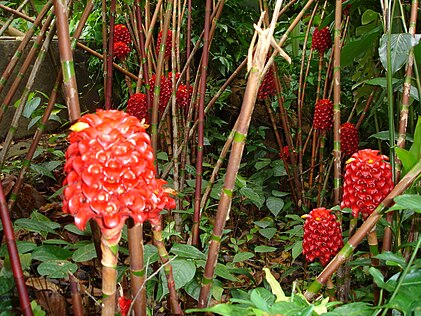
{"x": 168, "y": 43}
{"x": 267, "y": 87}
{"x": 323, "y": 115}
{"x": 183, "y": 96}
{"x": 349, "y": 138}
{"x": 165, "y": 91}
{"x": 285, "y": 153}
{"x": 124, "y": 304}
{"x": 111, "y": 173}
{"x": 121, "y": 50}
{"x": 122, "y": 34}
{"x": 136, "y": 106}
{"x": 322, "y": 237}
{"x": 321, "y": 40}
{"x": 367, "y": 181}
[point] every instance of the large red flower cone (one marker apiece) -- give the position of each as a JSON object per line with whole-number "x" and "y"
{"x": 367, "y": 181}
{"x": 322, "y": 236}
{"x": 111, "y": 173}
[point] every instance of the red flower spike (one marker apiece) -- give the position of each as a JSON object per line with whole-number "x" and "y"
{"x": 321, "y": 40}
{"x": 322, "y": 237}
{"x": 367, "y": 181}
{"x": 165, "y": 91}
{"x": 121, "y": 50}
{"x": 267, "y": 87}
{"x": 168, "y": 43}
{"x": 349, "y": 138}
{"x": 111, "y": 173}
{"x": 323, "y": 115}
{"x": 124, "y": 304}
{"x": 122, "y": 34}
{"x": 183, "y": 96}
{"x": 136, "y": 106}
{"x": 285, "y": 153}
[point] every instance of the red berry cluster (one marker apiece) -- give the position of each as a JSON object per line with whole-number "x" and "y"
{"x": 168, "y": 43}
{"x": 349, "y": 138}
{"x": 321, "y": 40}
{"x": 322, "y": 236}
{"x": 122, "y": 40}
{"x": 111, "y": 173}
{"x": 136, "y": 106}
{"x": 267, "y": 87}
{"x": 323, "y": 115}
{"x": 367, "y": 181}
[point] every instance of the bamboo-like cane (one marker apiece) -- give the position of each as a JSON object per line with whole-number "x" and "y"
{"x": 104, "y": 43}
{"x": 163, "y": 254}
{"x": 256, "y": 73}
{"x": 201, "y": 126}
{"x": 366, "y": 227}
{"x": 66, "y": 58}
{"x": 12, "y": 17}
{"x": 77, "y": 305}
{"x": 31, "y": 80}
{"x": 14, "y": 256}
{"x": 28, "y": 35}
{"x": 109, "y": 249}
{"x": 28, "y": 61}
{"x": 110, "y": 56}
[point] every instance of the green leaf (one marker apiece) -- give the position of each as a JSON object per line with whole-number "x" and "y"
{"x": 242, "y": 256}
{"x": 56, "y": 269}
{"x": 264, "y": 249}
{"x": 42, "y": 170}
{"x": 150, "y": 253}
{"x": 187, "y": 251}
{"x": 275, "y": 286}
{"x": 23, "y": 247}
{"x": 162, "y": 155}
{"x": 262, "y": 163}
{"x": 84, "y": 253}
{"x": 183, "y": 273}
{"x": 222, "y": 309}
{"x": 409, "y": 201}
{"x": 382, "y": 81}
{"x": 400, "y": 46}
{"x": 223, "y": 272}
{"x": 274, "y": 204}
{"x": 407, "y": 158}
{"x": 297, "y": 249}
{"x": 369, "y": 16}
{"x": 254, "y": 197}
{"x": 377, "y": 276}
{"x": 352, "y": 309}
{"x": 48, "y": 252}
{"x": 31, "y": 106}
{"x": 392, "y": 259}
{"x": 262, "y": 298}
{"x": 73, "y": 229}
{"x": 193, "y": 288}
{"x": 278, "y": 168}
{"x": 268, "y": 232}
{"x": 6, "y": 284}
{"x": 34, "y": 226}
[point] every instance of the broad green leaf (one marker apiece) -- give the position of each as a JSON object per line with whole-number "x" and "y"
{"x": 56, "y": 269}
{"x": 392, "y": 259}
{"x": 279, "y": 194}
{"x": 268, "y": 232}
{"x": 193, "y": 288}
{"x": 34, "y": 226}
{"x": 162, "y": 155}
{"x": 84, "y": 253}
{"x": 42, "y": 170}
{"x": 409, "y": 201}
{"x": 278, "y": 168}
{"x": 49, "y": 252}
{"x": 400, "y": 46}
{"x": 377, "y": 276}
{"x": 289, "y": 309}
{"x": 274, "y": 204}
{"x": 54, "y": 241}
{"x": 407, "y": 158}
{"x": 6, "y": 284}
{"x": 183, "y": 272}
{"x": 352, "y": 309}
{"x": 23, "y": 247}
{"x": 369, "y": 16}
{"x": 187, "y": 251}
{"x": 262, "y": 298}
{"x": 242, "y": 256}
{"x": 73, "y": 229}
{"x": 223, "y": 272}
{"x": 265, "y": 222}
{"x": 297, "y": 249}
{"x": 382, "y": 82}
{"x": 150, "y": 254}
{"x": 251, "y": 194}
{"x": 275, "y": 286}
{"x": 416, "y": 146}
{"x": 264, "y": 249}
{"x": 31, "y": 106}
{"x": 222, "y": 309}
{"x": 262, "y": 163}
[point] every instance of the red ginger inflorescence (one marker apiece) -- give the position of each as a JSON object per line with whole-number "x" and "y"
{"x": 183, "y": 96}
{"x": 111, "y": 173}
{"x": 168, "y": 43}
{"x": 349, "y": 138}
{"x": 367, "y": 181}
{"x": 136, "y": 106}
{"x": 285, "y": 154}
{"x": 321, "y": 40}
{"x": 165, "y": 91}
{"x": 121, "y": 50}
{"x": 322, "y": 237}
{"x": 323, "y": 115}
{"x": 122, "y": 34}
{"x": 267, "y": 87}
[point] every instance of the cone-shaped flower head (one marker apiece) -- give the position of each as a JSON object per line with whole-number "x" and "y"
{"x": 183, "y": 96}
{"x": 323, "y": 115}
{"x": 285, "y": 154}
{"x": 267, "y": 87}
{"x": 111, "y": 173}
{"x": 168, "y": 43}
{"x": 367, "y": 181}
{"x": 165, "y": 90}
{"x": 321, "y": 40}
{"x": 121, "y": 50}
{"x": 122, "y": 34}
{"x": 322, "y": 237}
{"x": 349, "y": 139}
{"x": 136, "y": 106}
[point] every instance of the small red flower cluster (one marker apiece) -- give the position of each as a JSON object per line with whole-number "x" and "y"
{"x": 122, "y": 40}
{"x": 168, "y": 43}
{"x": 111, "y": 173}
{"x": 322, "y": 237}
{"x": 267, "y": 88}
{"x": 349, "y": 138}
{"x": 136, "y": 106}
{"x": 323, "y": 115}
{"x": 321, "y": 40}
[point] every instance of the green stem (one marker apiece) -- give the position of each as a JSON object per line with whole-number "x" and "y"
{"x": 109, "y": 274}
